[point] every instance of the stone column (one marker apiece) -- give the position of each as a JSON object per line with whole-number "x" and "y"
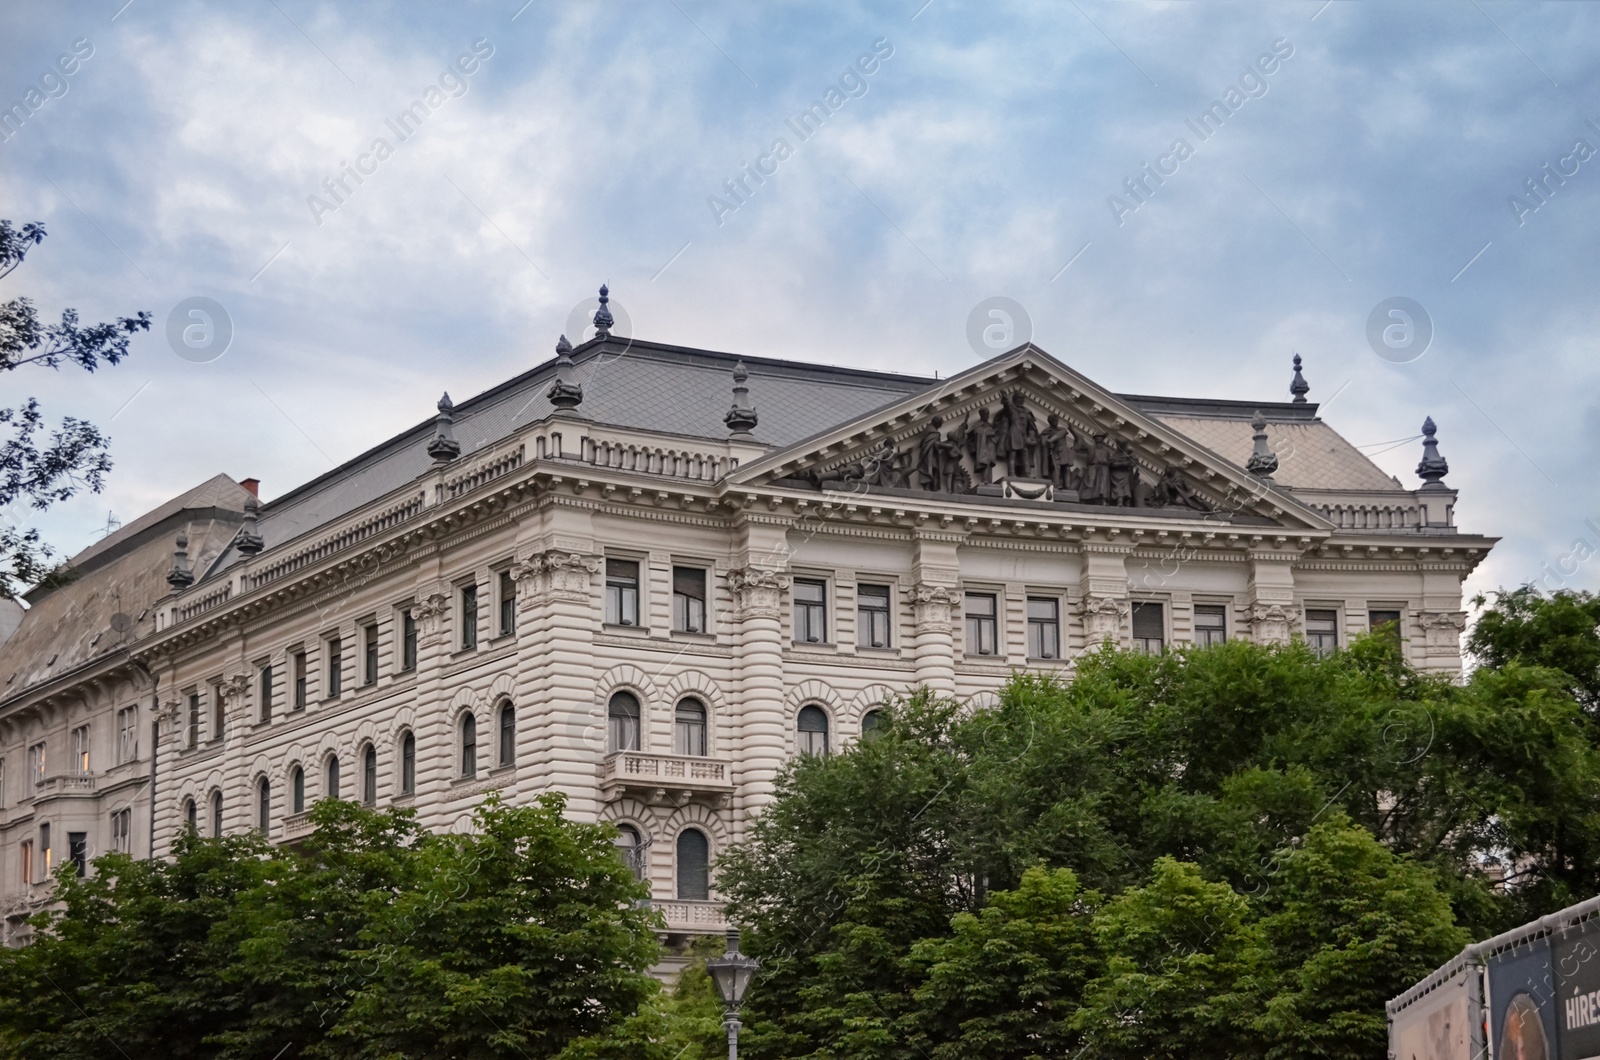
{"x": 1274, "y": 619}
{"x": 1103, "y": 601}
{"x": 561, "y": 727}
{"x": 935, "y": 595}
{"x": 763, "y": 727}
{"x": 431, "y": 724}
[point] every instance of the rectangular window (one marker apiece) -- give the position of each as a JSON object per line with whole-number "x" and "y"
{"x": 408, "y": 640}
{"x": 508, "y": 603}
{"x": 469, "y": 617}
{"x": 219, "y": 716}
{"x": 1210, "y": 624}
{"x": 264, "y": 687}
{"x": 1385, "y": 622}
{"x": 2, "y": 782}
{"x": 26, "y": 860}
{"x": 810, "y": 611}
{"x": 1149, "y": 627}
{"x": 622, "y": 592}
{"x": 297, "y": 664}
{"x": 1322, "y": 630}
{"x": 1044, "y": 627}
{"x": 122, "y": 831}
{"x": 78, "y": 852}
{"x": 872, "y": 616}
{"x": 35, "y": 768}
{"x": 369, "y": 648}
{"x": 982, "y": 625}
{"x": 194, "y": 719}
{"x": 45, "y": 854}
{"x": 80, "y": 750}
{"x": 335, "y": 667}
{"x": 688, "y": 600}
{"x": 127, "y": 734}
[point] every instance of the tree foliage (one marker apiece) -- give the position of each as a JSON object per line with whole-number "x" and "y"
{"x": 521, "y": 938}
{"x": 1560, "y": 631}
{"x": 1234, "y": 851}
{"x": 40, "y": 464}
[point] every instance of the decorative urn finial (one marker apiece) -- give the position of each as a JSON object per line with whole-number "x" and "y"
{"x": 180, "y": 577}
{"x": 1434, "y": 467}
{"x": 741, "y": 419}
{"x": 1299, "y": 387}
{"x": 564, "y": 394}
{"x": 248, "y": 541}
{"x": 444, "y": 447}
{"x": 602, "y": 316}
{"x": 1263, "y": 461}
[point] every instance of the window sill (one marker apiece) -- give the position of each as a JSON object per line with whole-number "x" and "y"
{"x": 867, "y": 649}
{"x": 625, "y": 630}
{"x": 815, "y": 645}
{"x": 702, "y": 638}
{"x": 510, "y": 767}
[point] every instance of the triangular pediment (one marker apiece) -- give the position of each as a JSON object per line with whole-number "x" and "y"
{"x": 1024, "y": 426}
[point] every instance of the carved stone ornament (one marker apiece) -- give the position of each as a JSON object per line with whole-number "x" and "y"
{"x": 555, "y": 574}
{"x": 757, "y": 591}
{"x": 429, "y": 613}
{"x": 1441, "y": 631}
{"x": 1273, "y": 623}
{"x": 234, "y": 692}
{"x": 1102, "y": 617}
{"x": 930, "y": 607}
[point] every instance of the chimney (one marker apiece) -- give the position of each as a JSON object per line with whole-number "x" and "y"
{"x": 253, "y": 485}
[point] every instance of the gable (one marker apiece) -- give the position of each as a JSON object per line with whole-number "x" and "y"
{"x": 1025, "y": 427}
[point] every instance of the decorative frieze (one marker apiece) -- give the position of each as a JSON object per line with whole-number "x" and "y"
{"x": 555, "y": 574}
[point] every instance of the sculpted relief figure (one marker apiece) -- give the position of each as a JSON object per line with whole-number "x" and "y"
{"x": 981, "y": 441}
{"x": 1096, "y": 486}
{"x": 1019, "y": 436}
{"x": 1124, "y": 476}
{"x": 1172, "y": 490}
{"x": 1056, "y": 444}
{"x": 932, "y": 474}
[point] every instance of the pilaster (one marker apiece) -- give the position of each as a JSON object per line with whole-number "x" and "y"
{"x": 1273, "y": 616}
{"x": 1103, "y": 604}
{"x": 935, "y": 595}
{"x": 761, "y": 725}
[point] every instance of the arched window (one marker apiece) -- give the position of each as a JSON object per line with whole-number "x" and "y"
{"x": 333, "y": 777}
{"x": 469, "y": 745}
{"x": 508, "y": 734}
{"x": 369, "y": 776}
{"x": 630, "y": 847}
{"x": 871, "y": 722}
{"x": 408, "y": 763}
{"x": 622, "y": 722}
{"x": 264, "y": 805}
{"x": 216, "y": 814}
{"x": 190, "y": 815}
{"x": 689, "y": 727}
{"x": 811, "y": 736}
{"x": 297, "y": 790}
{"x": 694, "y": 865}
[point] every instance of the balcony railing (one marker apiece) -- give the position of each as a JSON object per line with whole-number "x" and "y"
{"x": 297, "y": 826}
{"x": 67, "y": 784}
{"x": 682, "y": 774}
{"x": 705, "y": 918}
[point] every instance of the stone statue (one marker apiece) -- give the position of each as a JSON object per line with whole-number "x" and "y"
{"x": 956, "y": 479}
{"x": 1056, "y": 445}
{"x": 1019, "y": 436}
{"x": 1172, "y": 490}
{"x": 1096, "y": 486}
{"x": 932, "y": 473}
{"x": 981, "y": 441}
{"x": 1121, "y": 476}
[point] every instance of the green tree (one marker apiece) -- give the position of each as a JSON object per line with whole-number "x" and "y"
{"x": 39, "y": 466}
{"x": 1560, "y": 631}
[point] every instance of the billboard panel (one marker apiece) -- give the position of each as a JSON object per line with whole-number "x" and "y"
{"x": 1522, "y": 1002}
{"x": 1576, "y": 954}
{"x": 1436, "y": 1026}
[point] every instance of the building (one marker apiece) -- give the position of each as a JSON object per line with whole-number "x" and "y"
{"x": 646, "y": 576}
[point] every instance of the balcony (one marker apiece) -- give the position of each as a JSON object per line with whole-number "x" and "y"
{"x": 65, "y": 784}
{"x": 297, "y": 826}
{"x": 693, "y": 918}
{"x": 661, "y": 777}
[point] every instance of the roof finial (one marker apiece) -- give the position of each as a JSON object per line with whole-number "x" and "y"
{"x": 248, "y": 541}
{"x": 564, "y": 394}
{"x": 602, "y": 316}
{"x": 180, "y": 577}
{"x": 1263, "y": 461}
{"x": 1434, "y": 467}
{"x": 444, "y": 447}
{"x": 1299, "y": 387}
{"x": 741, "y": 419}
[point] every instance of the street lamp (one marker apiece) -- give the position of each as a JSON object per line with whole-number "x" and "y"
{"x": 732, "y": 973}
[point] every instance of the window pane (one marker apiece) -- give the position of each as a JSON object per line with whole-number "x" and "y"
{"x": 369, "y": 776}
{"x": 811, "y": 731}
{"x": 872, "y": 618}
{"x": 266, "y": 693}
{"x": 333, "y": 778}
{"x": 508, "y": 602}
{"x": 1149, "y": 629}
{"x": 689, "y": 728}
{"x": 871, "y": 722}
{"x": 1385, "y": 622}
{"x": 297, "y": 785}
{"x": 1210, "y": 624}
{"x": 622, "y": 592}
{"x": 469, "y": 616}
{"x": 1044, "y": 629}
{"x": 688, "y": 600}
{"x": 982, "y": 626}
{"x": 371, "y": 647}
{"x": 508, "y": 734}
{"x": 694, "y": 866}
{"x": 810, "y": 611}
{"x": 622, "y": 722}
{"x": 408, "y": 763}
{"x": 469, "y": 746}
{"x": 630, "y": 848}
{"x": 264, "y": 806}
{"x": 408, "y": 636}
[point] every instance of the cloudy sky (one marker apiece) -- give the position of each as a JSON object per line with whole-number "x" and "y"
{"x": 987, "y": 155}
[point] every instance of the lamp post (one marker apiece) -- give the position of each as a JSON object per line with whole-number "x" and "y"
{"x": 732, "y": 973}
